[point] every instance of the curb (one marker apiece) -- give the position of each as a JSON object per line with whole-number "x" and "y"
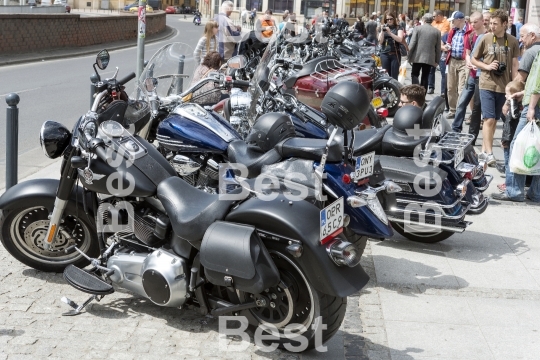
{"x": 168, "y": 33}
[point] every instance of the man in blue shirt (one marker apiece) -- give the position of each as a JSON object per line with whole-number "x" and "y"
{"x": 457, "y": 67}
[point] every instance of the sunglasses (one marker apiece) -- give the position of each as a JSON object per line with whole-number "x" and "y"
{"x": 391, "y": 19}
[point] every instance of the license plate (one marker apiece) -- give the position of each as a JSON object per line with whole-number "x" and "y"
{"x": 364, "y": 166}
{"x": 458, "y": 156}
{"x": 377, "y": 102}
{"x": 332, "y": 219}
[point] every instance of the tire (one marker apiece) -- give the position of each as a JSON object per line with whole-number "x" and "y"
{"x": 329, "y": 309}
{"x": 23, "y": 230}
{"x": 426, "y": 238}
{"x": 391, "y": 86}
{"x": 358, "y": 241}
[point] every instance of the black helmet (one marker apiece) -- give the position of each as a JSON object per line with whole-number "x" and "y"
{"x": 406, "y": 117}
{"x": 346, "y": 105}
{"x": 269, "y": 130}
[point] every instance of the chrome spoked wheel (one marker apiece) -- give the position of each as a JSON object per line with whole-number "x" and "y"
{"x": 28, "y": 231}
{"x": 24, "y": 230}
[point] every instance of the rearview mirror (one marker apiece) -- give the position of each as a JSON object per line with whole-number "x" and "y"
{"x": 150, "y": 84}
{"x": 102, "y": 59}
{"x": 237, "y": 62}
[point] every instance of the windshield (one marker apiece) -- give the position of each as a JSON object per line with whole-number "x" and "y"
{"x": 173, "y": 66}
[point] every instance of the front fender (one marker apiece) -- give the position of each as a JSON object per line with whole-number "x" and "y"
{"x": 381, "y": 81}
{"x": 41, "y": 191}
{"x": 299, "y": 220}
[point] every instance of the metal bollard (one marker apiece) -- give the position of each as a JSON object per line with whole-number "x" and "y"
{"x": 12, "y": 139}
{"x": 180, "y": 80}
{"x": 94, "y": 78}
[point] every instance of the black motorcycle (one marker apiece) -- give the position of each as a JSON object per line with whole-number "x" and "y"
{"x": 144, "y": 229}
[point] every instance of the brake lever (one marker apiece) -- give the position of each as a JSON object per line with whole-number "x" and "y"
{"x": 116, "y": 73}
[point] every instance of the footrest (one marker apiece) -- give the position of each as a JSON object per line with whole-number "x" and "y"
{"x": 86, "y": 282}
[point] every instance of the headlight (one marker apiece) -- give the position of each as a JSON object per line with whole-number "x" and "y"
{"x": 54, "y": 138}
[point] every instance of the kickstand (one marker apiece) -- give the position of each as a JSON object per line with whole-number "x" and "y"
{"x": 76, "y": 308}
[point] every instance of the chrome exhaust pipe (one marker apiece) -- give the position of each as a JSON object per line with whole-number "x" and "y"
{"x": 432, "y": 226}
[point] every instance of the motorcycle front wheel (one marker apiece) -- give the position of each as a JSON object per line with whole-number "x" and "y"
{"x": 423, "y": 237}
{"x": 297, "y": 307}
{"x": 24, "y": 229}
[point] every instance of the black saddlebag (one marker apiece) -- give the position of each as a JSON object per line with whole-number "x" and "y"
{"x": 234, "y": 255}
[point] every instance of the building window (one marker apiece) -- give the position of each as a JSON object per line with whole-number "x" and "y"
{"x": 280, "y": 6}
{"x": 254, "y": 4}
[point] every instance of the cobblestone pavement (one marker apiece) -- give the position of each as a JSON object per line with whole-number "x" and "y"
{"x": 124, "y": 326}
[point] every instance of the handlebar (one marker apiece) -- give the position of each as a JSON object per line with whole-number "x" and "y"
{"x": 240, "y": 83}
{"x": 127, "y": 78}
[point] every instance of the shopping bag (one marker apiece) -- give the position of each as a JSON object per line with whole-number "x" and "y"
{"x": 402, "y": 72}
{"x": 525, "y": 157}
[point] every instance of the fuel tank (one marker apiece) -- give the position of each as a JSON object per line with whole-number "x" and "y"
{"x": 137, "y": 177}
{"x": 192, "y": 128}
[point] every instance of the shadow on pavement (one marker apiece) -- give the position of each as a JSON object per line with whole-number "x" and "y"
{"x": 411, "y": 277}
{"x": 470, "y": 246}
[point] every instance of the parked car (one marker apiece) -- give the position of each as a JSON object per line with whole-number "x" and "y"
{"x": 59, "y": 2}
{"x": 171, "y": 10}
{"x": 136, "y": 8}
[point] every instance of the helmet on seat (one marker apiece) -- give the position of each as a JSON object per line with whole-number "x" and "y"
{"x": 269, "y": 130}
{"x": 346, "y": 105}
{"x": 406, "y": 117}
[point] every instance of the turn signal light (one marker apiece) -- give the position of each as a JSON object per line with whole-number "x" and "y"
{"x": 392, "y": 187}
{"x": 382, "y": 112}
{"x": 356, "y": 201}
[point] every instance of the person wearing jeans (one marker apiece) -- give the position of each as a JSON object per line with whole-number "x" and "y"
{"x": 477, "y": 22}
{"x": 515, "y": 183}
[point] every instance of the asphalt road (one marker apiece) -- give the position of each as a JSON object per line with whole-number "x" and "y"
{"x": 59, "y": 89}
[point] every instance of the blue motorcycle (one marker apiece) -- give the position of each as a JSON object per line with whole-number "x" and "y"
{"x": 199, "y": 143}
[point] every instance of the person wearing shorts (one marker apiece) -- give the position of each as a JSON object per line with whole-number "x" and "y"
{"x": 496, "y": 55}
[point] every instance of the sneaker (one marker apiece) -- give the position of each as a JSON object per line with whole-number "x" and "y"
{"x": 430, "y": 91}
{"x": 482, "y": 156}
{"x": 503, "y": 197}
{"x": 501, "y": 187}
{"x": 500, "y": 168}
{"x": 490, "y": 160}
{"x": 468, "y": 121}
{"x": 450, "y": 115}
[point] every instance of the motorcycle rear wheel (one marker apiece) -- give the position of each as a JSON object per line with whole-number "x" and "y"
{"x": 392, "y": 86}
{"x": 427, "y": 237}
{"x": 299, "y": 307}
{"x": 24, "y": 229}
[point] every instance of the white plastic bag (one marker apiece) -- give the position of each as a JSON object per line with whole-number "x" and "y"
{"x": 525, "y": 157}
{"x": 402, "y": 72}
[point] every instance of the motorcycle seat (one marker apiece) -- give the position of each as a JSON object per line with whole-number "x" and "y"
{"x": 394, "y": 143}
{"x": 307, "y": 69}
{"x": 240, "y": 152}
{"x": 190, "y": 210}
{"x": 397, "y": 142}
{"x": 310, "y": 149}
{"x": 407, "y": 171}
{"x": 369, "y": 140}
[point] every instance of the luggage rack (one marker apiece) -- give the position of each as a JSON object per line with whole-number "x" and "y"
{"x": 450, "y": 141}
{"x": 454, "y": 141}
{"x": 331, "y": 69}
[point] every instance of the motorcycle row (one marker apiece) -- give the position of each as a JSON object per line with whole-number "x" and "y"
{"x": 258, "y": 206}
